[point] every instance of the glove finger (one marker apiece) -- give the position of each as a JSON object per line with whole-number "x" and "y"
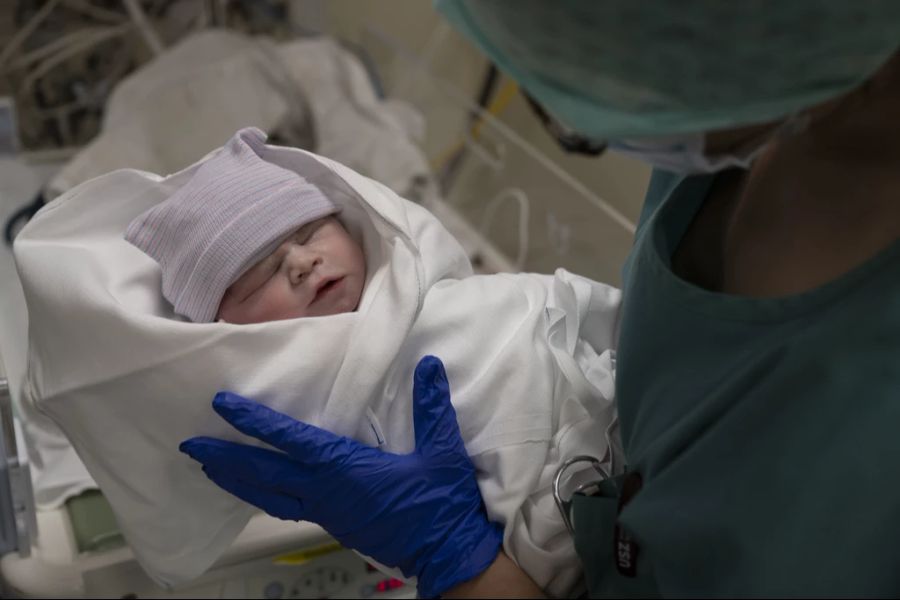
{"x": 434, "y": 418}
{"x": 278, "y": 505}
{"x": 259, "y": 467}
{"x": 303, "y": 442}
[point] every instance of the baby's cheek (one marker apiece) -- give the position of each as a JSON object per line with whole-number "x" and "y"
{"x": 225, "y": 312}
{"x": 232, "y": 314}
{"x": 242, "y": 313}
{"x": 289, "y": 303}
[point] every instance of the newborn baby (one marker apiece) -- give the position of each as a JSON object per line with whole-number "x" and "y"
{"x": 366, "y": 283}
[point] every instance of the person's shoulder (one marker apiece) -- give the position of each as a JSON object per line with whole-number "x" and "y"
{"x": 851, "y": 349}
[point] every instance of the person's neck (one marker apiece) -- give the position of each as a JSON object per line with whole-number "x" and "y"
{"x": 861, "y": 128}
{"x": 821, "y": 202}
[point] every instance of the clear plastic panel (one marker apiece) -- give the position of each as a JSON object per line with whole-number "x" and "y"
{"x": 528, "y": 206}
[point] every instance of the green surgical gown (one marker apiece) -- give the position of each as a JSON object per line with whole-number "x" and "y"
{"x": 763, "y": 434}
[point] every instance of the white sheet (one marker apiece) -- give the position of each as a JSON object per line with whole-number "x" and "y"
{"x": 192, "y": 98}
{"x": 127, "y": 381}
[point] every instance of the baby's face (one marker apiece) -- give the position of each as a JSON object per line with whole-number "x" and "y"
{"x": 319, "y": 270}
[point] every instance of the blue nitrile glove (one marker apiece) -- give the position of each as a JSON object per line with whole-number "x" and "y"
{"x": 421, "y": 512}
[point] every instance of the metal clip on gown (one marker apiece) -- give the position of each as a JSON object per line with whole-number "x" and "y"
{"x": 564, "y": 506}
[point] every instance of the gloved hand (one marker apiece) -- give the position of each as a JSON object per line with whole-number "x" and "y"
{"x": 421, "y": 512}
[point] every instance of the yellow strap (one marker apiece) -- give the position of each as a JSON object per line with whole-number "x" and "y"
{"x": 300, "y": 557}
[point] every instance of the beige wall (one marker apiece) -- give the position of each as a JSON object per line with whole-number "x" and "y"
{"x": 413, "y": 23}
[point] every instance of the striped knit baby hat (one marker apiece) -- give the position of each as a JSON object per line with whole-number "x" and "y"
{"x": 233, "y": 212}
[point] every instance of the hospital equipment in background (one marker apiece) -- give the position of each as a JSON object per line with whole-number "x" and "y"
{"x": 487, "y": 174}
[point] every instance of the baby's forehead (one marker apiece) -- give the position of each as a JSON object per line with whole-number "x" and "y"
{"x": 297, "y": 235}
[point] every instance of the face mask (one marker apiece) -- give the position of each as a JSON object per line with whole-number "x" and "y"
{"x": 682, "y": 154}
{"x": 686, "y": 153}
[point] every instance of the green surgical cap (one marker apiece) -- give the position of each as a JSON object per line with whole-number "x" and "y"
{"x": 625, "y": 68}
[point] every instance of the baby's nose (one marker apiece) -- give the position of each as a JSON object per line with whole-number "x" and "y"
{"x": 301, "y": 262}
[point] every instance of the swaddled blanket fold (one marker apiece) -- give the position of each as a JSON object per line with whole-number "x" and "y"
{"x": 528, "y": 359}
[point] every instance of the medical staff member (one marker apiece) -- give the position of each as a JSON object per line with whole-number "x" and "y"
{"x": 758, "y": 377}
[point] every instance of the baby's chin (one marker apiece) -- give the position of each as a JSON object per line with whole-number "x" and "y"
{"x": 347, "y": 303}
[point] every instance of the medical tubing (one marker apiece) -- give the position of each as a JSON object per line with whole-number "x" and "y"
{"x": 147, "y": 32}
{"x": 76, "y": 47}
{"x": 490, "y": 211}
{"x": 26, "y": 30}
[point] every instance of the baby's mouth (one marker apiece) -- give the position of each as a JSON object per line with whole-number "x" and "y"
{"x": 327, "y": 287}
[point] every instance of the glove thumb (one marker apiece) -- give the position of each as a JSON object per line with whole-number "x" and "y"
{"x": 437, "y": 431}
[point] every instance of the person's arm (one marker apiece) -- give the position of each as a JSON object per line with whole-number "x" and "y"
{"x": 503, "y": 579}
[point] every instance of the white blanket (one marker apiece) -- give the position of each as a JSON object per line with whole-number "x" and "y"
{"x": 219, "y": 81}
{"x": 527, "y": 358}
